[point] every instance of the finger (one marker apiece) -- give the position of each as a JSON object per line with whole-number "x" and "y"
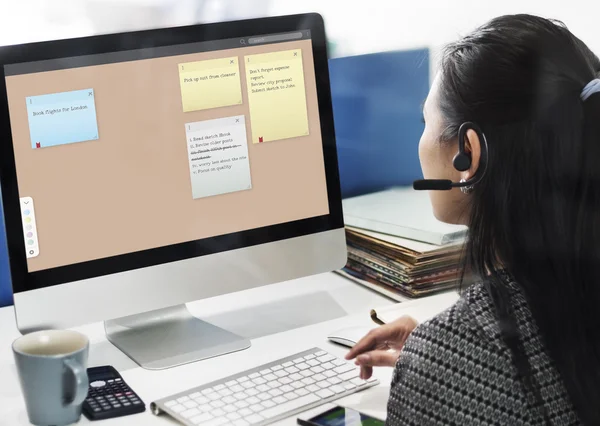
{"x": 374, "y": 339}
{"x": 378, "y": 359}
{"x": 366, "y": 372}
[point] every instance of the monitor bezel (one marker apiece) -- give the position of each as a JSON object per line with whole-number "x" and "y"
{"x": 23, "y": 280}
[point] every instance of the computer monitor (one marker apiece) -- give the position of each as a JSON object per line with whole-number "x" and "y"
{"x": 144, "y": 170}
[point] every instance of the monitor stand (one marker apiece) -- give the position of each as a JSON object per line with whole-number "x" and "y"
{"x": 170, "y": 337}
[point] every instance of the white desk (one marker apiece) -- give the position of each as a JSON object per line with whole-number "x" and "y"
{"x": 281, "y": 319}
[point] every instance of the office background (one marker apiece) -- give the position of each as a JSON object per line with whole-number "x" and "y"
{"x": 383, "y": 54}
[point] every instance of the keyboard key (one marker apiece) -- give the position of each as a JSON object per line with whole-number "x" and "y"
{"x": 219, "y": 387}
{"x": 297, "y": 385}
{"x": 275, "y": 392}
{"x": 265, "y": 371}
{"x": 286, "y": 388}
{"x": 313, "y": 388}
{"x": 201, "y": 418}
{"x": 290, "y": 396}
{"x": 349, "y": 375}
{"x": 241, "y": 423}
{"x": 298, "y": 360}
{"x": 289, "y": 406}
{"x": 275, "y": 384}
{"x": 254, "y": 375}
{"x": 319, "y": 377}
{"x": 301, "y": 391}
{"x": 326, "y": 358}
{"x": 302, "y": 366}
{"x": 213, "y": 396}
{"x": 229, "y": 400}
{"x": 325, "y": 393}
{"x": 257, "y": 408}
{"x": 254, "y": 418}
{"x": 358, "y": 382}
{"x": 329, "y": 373}
{"x": 230, "y": 409}
{"x": 217, "y": 404}
{"x": 328, "y": 366}
{"x": 308, "y": 381}
{"x": 207, "y": 391}
{"x": 312, "y": 362}
{"x": 216, "y": 422}
{"x": 349, "y": 385}
{"x": 202, "y": 400}
{"x": 244, "y": 412}
{"x": 241, "y": 404}
{"x": 337, "y": 362}
{"x": 317, "y": 369}
{"x": 190, "y": 404}
{"x": 307, "y": 357}
{"x": 248, "y": 384}
{"x": 195, "y": 395}
{"x": 218, "y": 412}
{"x": 178, "y": 408}
{"x": 287, "y": 364}
{"x": 334, "y": 380}
{"x": 236, "y": 388}
{"x": 231, "y": 383}
{"x": 324, "y": 384}
{"x": 279, "y": 399}
{"x": 344, "y": 368}
{"x": 259, "y": 381}
{"x": 188, "y": 414}
{"x": 253, "y": 400}
{"x": 281, "y": 373}
{"x": 276, "y": 368}
{"x": 264, "y": 396}
{"x": 180, "y": 400}
{"x": 240, "y": 396}
{"x": 169, "y": 404}
{"x": 263, "y": 388}
{"x": 225, "y": 392}
{"x": 320, "y": 353}
{"x": 291, "y": 370}
{"x": 243, "y": 379}
{"x": 337, "y": 389}
{"x": 252, "y": 391}
{"x": 270, "y": 377}
{"x": 295, "y": 377}
{"x": 205, "y": 408}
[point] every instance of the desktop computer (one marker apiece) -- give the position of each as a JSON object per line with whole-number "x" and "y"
{"x": 144, "y": 170}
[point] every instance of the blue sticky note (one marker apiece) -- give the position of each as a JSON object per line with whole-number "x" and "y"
{"x": 62, "y": 118}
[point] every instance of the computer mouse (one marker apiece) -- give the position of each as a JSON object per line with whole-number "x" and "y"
{"x": 349, "y": 336}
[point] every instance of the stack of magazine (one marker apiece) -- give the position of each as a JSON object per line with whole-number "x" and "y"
{"x": 397, "y": 247}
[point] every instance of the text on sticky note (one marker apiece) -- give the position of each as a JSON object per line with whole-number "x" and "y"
{"x": 210, "y": 84}
{"x": 276, "y": 95}
{"x": 62, "y": 118}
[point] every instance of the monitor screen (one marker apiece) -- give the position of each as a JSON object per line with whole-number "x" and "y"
{"x": 121, "y": 152}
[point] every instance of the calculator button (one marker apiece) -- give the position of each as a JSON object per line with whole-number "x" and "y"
{"x": 118, "y": 380}
{"x": 98, "y": 384}
{"x": 138, "y": 402}
{"x": 97, "y": 410}
{"x": 126, "y": 404}
{"x": 117, "y": 405}
{"x": 111, "y": 381}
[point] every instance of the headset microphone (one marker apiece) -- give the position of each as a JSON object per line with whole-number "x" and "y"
{"x": 461, "y": 162}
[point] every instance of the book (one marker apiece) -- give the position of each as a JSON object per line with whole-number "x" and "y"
{"x": 401, "y": 212}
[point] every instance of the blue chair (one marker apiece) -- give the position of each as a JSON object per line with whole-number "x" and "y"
{"x": 6, "y": 297}
{"x": 377, "y": 100}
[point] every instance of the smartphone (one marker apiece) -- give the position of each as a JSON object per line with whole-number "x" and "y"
{"x": 341, "y": 416}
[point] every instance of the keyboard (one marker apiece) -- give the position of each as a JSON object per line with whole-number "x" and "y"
{"x": 268, "y": 393}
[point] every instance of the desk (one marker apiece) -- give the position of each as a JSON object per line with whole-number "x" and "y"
{"x": 281, "y": 319}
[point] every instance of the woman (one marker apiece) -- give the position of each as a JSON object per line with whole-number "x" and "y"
{"x": 521, "y": 347}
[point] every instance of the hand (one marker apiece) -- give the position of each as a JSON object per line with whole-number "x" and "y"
{"x": 381, "y": 346}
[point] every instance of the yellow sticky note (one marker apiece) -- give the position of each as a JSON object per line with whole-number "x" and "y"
{"x": 276, "y": 95}
{"x": 210, "y": 84}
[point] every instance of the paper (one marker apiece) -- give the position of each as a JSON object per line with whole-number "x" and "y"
{"x": 210, "y": 84}
{"x": 421, "y": 309}
{"x": 276, "y": 95}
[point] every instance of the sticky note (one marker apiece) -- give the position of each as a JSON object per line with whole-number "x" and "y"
{"x": 210, "y": 84}
{"x": 276, "y": 95}
{"x": 218, "y": 156}
{"x": 62, "y": 118}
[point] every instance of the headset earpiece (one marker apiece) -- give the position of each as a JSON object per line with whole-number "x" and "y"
{"x": 462, "y": 160}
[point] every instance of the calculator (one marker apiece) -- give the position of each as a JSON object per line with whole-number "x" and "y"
{"x": 109, "y": 396}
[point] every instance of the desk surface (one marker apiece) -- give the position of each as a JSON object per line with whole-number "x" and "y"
{"x": 281, "y": 319}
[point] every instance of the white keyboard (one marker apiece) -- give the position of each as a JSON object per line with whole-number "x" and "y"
{"x": 267, "y": 393}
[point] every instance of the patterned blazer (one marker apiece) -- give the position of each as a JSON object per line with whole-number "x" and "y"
{"x": 456, "y": 370}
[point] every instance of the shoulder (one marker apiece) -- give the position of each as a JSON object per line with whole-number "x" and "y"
{"x": 456, "y": 363}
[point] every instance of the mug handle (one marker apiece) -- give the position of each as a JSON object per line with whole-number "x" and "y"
{"x": 81, "y": 381}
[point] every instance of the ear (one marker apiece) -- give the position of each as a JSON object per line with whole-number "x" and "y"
{"x": 473, "y": 148}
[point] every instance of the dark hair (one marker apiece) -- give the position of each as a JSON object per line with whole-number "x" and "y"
{"x": 536, "y": 211}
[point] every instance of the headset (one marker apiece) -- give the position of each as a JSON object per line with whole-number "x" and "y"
{"x": 461, "y": 162}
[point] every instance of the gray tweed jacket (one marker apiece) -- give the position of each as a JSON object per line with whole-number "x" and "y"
{"x": 456, "y": 370}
